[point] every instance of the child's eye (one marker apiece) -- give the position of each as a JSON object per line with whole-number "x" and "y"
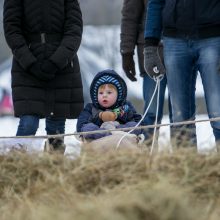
{"x": 109, "y": 92}
{"x": 100, "y": 93}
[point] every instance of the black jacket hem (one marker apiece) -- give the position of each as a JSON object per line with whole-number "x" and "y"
{"x": 200, "y": 33}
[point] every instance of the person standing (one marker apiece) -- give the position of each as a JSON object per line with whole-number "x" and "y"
{"x": 132, "y": 37}
{"x": 44, "y": 37}
{"x": 190, "y": 30}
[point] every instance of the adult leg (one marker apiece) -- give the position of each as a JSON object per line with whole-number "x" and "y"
{"x": 28, "y": 125}
{"x": 180, "y": 70}
{"x": 208, "y": 61}
{"x": 148, "y": 89}
{"x": 56, "y": 126}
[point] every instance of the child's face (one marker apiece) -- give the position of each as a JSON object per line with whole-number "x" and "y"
{"x": 107, "y": 95}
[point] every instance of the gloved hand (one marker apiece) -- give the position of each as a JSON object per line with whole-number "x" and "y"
{"x": 107, "y": 116}
{"x": 109, "y": 125}
{"x": 36, "y": 70}
{"x": 49, "y": 67}
{"x": 128, "y": 66}
{"x": 153, "y": 63}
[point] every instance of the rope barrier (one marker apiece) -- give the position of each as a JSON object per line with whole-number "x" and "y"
{"x": 121, "y": 129}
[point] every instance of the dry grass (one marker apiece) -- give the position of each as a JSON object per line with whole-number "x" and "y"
{"x": 114, "y": 185}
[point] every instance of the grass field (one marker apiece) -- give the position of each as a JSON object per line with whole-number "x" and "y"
{"x": 116, "y": 185}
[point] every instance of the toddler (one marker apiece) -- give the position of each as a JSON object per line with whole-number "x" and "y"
{"x": 109, "y": 108}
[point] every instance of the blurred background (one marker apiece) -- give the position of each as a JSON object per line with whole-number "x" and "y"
{"x": 99, "y": 50}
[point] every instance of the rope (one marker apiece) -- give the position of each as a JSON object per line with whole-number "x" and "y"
{"x": 155, "y": 90}
{"x": 121, "y": 129}
{"x": 157, "y": 110}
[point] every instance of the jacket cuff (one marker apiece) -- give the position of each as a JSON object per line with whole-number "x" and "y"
{"x": 127, "y": 54}
{"x": 151, "y": 41}
{"x": 131, "y": 52}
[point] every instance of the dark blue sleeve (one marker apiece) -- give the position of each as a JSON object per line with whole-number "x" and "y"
{"x": 136, "y": 116}
{"x": 153, "y": 22}
{"x": 129, "y": 115}
{"x": 84, "y": 117}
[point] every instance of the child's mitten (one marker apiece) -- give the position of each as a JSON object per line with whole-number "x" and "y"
{"x": 107, "y": 116}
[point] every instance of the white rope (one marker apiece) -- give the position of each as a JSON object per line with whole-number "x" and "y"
{"x": 155, "y": 90}
{"x": 157, "y": 110}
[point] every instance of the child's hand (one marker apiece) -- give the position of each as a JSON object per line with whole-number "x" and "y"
{"x": 107, "y": 116}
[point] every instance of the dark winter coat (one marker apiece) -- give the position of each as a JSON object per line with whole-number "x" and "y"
{"x": 60, "y": 21}
{"x": 132, "y": 29}
{"x": 89, "y": 119}
{"x": 183, "y": 19}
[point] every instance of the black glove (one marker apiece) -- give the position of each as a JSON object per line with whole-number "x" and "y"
{"x": 153, "y": 63}
{"x": 36, "y": 70}
{"x": 129, "y": 66}
{"x": 49, "y": 67}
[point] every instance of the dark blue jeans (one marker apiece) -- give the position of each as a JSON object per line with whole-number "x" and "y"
{"x": 182, "y": 57}
{"x": 29, "y": 124}
{"x": 148, "y": 89}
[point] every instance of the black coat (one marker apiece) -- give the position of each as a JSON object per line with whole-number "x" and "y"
{"x": 61, "y": 21}
{"x": 191, "y": 18}
{"x": 132, "y": 29}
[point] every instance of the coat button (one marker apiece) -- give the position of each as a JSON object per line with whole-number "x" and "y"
{"x": 51, "y": 113}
